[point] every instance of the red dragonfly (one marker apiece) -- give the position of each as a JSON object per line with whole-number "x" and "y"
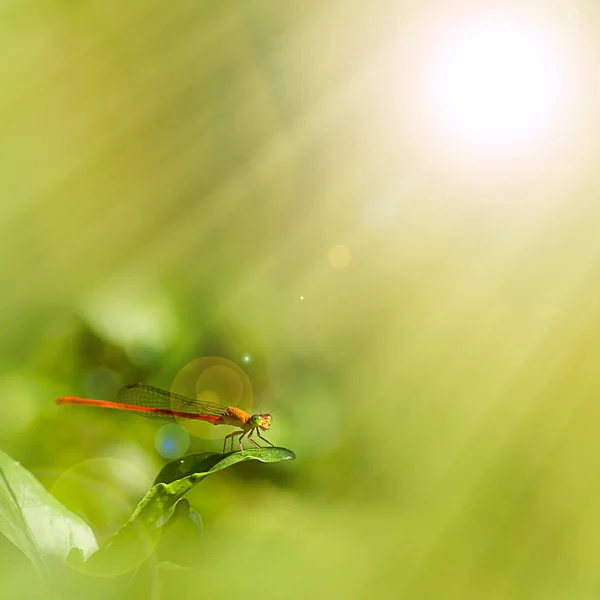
{"x": 155, "y": 403}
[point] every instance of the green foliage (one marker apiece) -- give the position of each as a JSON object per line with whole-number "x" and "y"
{"x": 136, "y": 540}
{"x": 207, "y": 463}
{"x": 45, "y": 530}
{"x": 33, "y": 520}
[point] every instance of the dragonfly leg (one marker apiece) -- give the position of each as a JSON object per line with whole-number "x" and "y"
{"x": 250, "y": 437}
{"x": 241, "y": 434}
{"x": 230, "y": 435}
{"x": 242, "y": 437}
{"x": 264, "y": 439}
{"x": 225, "y": 441}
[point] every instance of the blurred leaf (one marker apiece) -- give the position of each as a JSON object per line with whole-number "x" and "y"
{"x": 179, "y": 542}
{"x": 37, "y": 523}
{"x": 135, "y": 541}
{"x": 171, "y": 566}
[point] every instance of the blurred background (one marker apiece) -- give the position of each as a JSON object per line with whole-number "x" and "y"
{"x": 378, "y": 221}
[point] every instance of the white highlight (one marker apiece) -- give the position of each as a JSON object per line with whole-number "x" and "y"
{"x": 496, "y": 83}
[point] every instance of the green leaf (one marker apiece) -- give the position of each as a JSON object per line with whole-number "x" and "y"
{"x": 133, "y": 543}
{"x": 179, "y": 476}
{"x": 180, "y": 540}
{"x": 37, "y": 523}
{"x": 208, "y": 463}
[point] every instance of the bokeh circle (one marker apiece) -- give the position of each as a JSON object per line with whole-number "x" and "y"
{"x": 213, "y": 379}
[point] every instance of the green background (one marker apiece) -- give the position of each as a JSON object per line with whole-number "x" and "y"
{"x": 173, "y": 177}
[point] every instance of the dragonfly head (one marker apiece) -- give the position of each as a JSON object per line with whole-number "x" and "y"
{"x": 263, "y": 421}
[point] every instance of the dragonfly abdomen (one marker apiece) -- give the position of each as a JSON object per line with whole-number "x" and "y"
{"x": 151, "y": 412}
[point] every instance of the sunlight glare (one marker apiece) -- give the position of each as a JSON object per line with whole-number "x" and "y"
{"x": 496, "y": 84}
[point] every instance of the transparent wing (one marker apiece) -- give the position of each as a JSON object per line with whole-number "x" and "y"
{"x": 164, "y": 402}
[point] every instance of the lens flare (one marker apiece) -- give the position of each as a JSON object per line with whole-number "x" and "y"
{"x": 172, "y": 441}
{"x": 339, "y": 256}
{"x": 213, "y": 379}
{"x": 493, "y": 90}
{"x": 496, "y": 84}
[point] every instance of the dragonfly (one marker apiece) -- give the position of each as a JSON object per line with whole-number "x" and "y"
{"x": 155, "y": 403}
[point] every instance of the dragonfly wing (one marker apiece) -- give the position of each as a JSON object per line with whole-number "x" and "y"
{"x": 161, "y": 404}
